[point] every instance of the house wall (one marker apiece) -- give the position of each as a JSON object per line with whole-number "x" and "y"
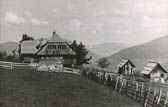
{"x": 157, "y": 72}
{"x": 56, "y": 49}
{"x": 27, "y": 58}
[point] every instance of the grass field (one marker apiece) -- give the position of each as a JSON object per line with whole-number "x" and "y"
{"x": 43, "y": 89}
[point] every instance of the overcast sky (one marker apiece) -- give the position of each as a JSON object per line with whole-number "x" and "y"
{"x": 89, "y": 21}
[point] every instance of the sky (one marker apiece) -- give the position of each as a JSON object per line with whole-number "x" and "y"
{"x": 89, "y": 21}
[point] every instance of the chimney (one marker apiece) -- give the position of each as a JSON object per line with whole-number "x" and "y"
{"x": 54, "y": 33}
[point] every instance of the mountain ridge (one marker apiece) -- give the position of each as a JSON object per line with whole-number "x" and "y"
{"x": 108, "y": 48}
{"x": 141, "y": 54}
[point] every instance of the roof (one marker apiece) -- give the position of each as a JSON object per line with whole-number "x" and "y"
{"x": 123, "y": 62}
{"x": 56, "y": 38}
{"x": 29, "y": 47}
{"x": 150, "y": 67}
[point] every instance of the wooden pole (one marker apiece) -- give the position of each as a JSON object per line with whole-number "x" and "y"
{"x": 146, "y": 100}
{"x": 11, "y": 65}
{"x": 160, "y": 94}
{"x": 126, "y": 86}
{"x": 154, "y": 97}
{"x": 133, "y": 87}
{"x": 142, "y": 87}
{"x": 136, "y": 89}
{"x": 166, "y": 100}
{"x": 117, "y": 80}
{"x": 122, "y": 84}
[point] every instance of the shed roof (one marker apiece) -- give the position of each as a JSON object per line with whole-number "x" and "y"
{"x": 150, "y": 67}
{"x": 29, "y": 47}
{"x": 123, "y": 62}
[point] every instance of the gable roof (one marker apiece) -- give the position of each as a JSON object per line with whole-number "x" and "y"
{"x": 29, "y": 47}
{"x": 150, "y": 67}
{"x": 123, "y": 62}
{"x": 56, "y": 38}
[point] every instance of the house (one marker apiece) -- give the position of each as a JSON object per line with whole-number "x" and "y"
{"x": 53, "y": 49}
{"x": 153, "y": 70}
{"x": 125, "y": 67}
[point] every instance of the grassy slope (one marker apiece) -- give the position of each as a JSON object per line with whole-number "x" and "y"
{"x": 43, "y": 89}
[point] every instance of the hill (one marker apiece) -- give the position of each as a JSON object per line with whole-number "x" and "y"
{"x": 106, "y": 49}
{"x": 8, "y": 47}
{"x": 95, "y": 57}
{"x": 48, "y": 89}
{"x": 154, "y": 50}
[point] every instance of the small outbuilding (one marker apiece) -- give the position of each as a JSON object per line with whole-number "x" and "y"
{"x": 125, "y": 67}
{"x": 153, "y": 70}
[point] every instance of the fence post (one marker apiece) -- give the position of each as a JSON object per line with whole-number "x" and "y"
{"x": 122, "y": 84}
{"x": 11, "y": 65}
{"x": 154, "y": 97}
{"x": 160, "y": 95}
{"x": 141, "y": 92}
{"x": 117, "y": 80}
{"x": 126, "y": 87}
{"x": 125, "y": 84}
{"x": 137, "y": 90}
{"x": 165, "y": 102}
{"x": 133, "y": 87}
{"x": 146, "y": 100}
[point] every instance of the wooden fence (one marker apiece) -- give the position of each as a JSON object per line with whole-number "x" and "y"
{"x": 13, "y": 65}
{"x": 150, "y": 94}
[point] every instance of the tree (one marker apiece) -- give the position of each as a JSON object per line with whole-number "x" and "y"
{"x": 26, "y": 37}
{"x": 81, "y": 53}
{"x": 74, "y": 46}
{"x": 3, "y": 55}
{"x": 103, "y": 62}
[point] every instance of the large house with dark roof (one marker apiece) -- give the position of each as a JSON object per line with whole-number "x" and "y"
{"x": 52, "y": 49}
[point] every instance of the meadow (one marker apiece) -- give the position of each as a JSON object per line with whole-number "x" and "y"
{"x": 31, "y": 88}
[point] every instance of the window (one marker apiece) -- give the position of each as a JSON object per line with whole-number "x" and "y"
{"x": 52, "y": 47}
{"x": 61, "y": 46}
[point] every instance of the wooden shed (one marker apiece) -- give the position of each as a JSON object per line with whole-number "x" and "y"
{"x": 125, "y": 67}
{"x": 153, "y": 70}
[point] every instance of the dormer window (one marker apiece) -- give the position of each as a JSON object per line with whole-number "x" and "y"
{"x": 54, "y": 47}
{"x": 61, "y": 47}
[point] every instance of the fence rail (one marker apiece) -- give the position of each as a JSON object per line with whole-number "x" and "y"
{"x": 150, "y": 94}
{"x": 13, "y": 65}
{"x": 19, "y": 66}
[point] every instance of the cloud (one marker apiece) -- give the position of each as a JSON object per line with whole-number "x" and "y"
{"x": 37, "y": 22}
{"x": 69, "y": 7}
{"x": 28, "y": 14}
{"x": 146, "y": 18}
{"x": 75, "y": 24}
{"x": 55, "y": 10}
{"x": 99, "y": 13}
{"x": 14, "y": 18}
